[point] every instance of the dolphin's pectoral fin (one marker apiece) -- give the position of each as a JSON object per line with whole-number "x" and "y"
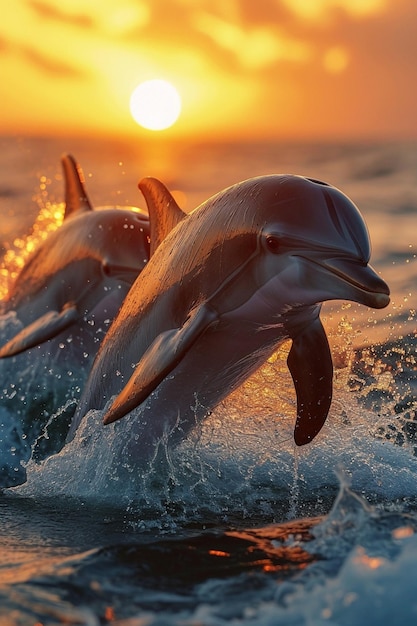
{"x": 44, "y": 328}
{"x": 310, "y": 364}
{"x": 162, "y": 356}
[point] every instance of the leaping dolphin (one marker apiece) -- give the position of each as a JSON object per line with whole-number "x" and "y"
{"x": 81, "y": 273}
{"x": 244, "y": 271}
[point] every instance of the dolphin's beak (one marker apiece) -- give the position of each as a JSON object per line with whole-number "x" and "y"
{"x": 355, "y": 281}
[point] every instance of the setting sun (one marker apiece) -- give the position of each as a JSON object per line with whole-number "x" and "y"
{"x": 298, "y": 69}
{"x": 155, "y": 104}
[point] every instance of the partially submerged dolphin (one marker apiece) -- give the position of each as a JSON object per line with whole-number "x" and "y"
{"x": 81, "y": 273}
{"x": 224, "y": 287}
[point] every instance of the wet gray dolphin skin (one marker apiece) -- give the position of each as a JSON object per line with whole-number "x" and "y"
{"x": 82, "y": 270}
{"x": 224, "y": 287}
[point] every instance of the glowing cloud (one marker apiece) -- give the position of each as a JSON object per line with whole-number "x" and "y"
{"x": 254, "y": 47}
{"x": 319, "y": 8}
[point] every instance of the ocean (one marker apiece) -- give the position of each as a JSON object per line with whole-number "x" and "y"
{"x": 238, "y": 526}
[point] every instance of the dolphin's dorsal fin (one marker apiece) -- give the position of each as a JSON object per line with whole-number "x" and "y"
{"x": 76, "y": 198}
{"x": 164, "y": 212}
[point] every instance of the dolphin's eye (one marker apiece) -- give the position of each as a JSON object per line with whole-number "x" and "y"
{"x": 273, "y": 244}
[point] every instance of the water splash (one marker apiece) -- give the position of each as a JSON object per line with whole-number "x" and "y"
{"x": 295, "y": 492}
{"x": 240, "y": 462}
{"x": 50, "y": 217}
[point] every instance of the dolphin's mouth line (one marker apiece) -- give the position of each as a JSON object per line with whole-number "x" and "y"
{"x": 346, "y": 279}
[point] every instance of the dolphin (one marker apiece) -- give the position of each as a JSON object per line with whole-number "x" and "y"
{"x": 81, "y": 273}
{"x": 225, "y": 286}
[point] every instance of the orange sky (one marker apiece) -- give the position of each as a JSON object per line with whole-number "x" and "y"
{"x": 258, "y": 68}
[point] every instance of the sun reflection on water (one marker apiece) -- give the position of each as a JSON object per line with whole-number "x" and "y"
{"x": 50, "y": 217}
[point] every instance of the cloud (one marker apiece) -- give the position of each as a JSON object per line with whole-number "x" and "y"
{"x": 324, "y": 9}
{"x": 50, "y": 64}
{"x": 111, "y": 17}
{"x": 47, "y": 64}
{"x": 52, "y": 12}
{"x": 235, "y": 35}
{"x": 255, "y": 47}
